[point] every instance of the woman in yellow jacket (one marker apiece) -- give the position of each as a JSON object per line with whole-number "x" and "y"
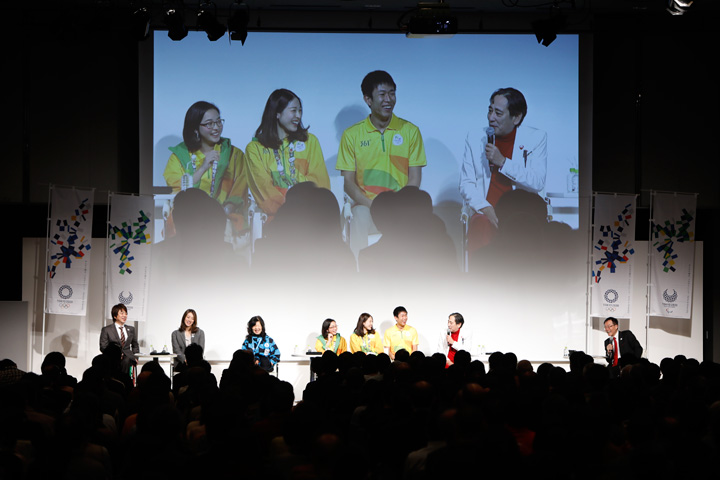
{"x": 330, "y": 339}
{"x": 207, "y": 160}
{"x": 283, "y": 153}
{"x": 364, "y": 338}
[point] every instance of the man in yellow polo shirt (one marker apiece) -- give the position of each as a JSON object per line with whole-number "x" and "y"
{"x": 383, "y": 152}
{"x": 401, "y": 335}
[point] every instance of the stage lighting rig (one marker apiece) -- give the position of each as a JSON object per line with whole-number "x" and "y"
{"x": 207, "y": 20}
{"x": 546, "y": 29}
{"x": 175, "y": 20}
{"x": 141, "y": 23}
{"x": 678, "y": 7}
{"x": 430, "y": 20}
{"x": 238, "y": 22}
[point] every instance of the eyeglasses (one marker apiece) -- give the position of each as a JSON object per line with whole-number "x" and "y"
{"x": 213, "y": 124}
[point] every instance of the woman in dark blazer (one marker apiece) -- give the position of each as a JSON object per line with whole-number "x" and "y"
{"x": 185, "y": 335}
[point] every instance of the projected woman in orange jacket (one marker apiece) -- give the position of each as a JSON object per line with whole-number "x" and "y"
{"x": 283, "y": 153}
{"x": 207, "y": 160}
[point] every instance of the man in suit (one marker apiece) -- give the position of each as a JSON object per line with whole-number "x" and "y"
{"x": 122, "y": 335}
{"x": 620, "y": 347}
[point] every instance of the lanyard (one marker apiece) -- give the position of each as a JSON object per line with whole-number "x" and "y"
{"x": 292, "y": 180}
{"x": 193, "y": 167}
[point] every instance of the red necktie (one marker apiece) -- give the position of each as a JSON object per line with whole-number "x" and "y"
{"x": 615, "y": 352}
{"x": 122, "y": 336}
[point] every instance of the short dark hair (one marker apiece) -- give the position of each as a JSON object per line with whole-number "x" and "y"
{"x": 516, "y": 101}
{"x": 458, "y": 318}
{"x": 117, "y": 309}
{"x": 266, "y": 133}
{"x": 612, "y": 319}
{"x": 398, "y": 311}
{"x": 373, "y": 80}
{"x": 193, "y": 117}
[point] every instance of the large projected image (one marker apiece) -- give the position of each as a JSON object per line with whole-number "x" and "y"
{"x": 486, "y": 126}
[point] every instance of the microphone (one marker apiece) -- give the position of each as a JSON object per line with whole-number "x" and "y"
{"x": 490, "y": 132}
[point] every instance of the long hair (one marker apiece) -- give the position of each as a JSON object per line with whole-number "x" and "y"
{"x": 359, "y": 327}
{"x": 193, "y": 117}
{"x": 193, "y": 327}
{"x": 251, "y": 324}
{"x": 266, "y": 133}
{"x": 326, "y": 326}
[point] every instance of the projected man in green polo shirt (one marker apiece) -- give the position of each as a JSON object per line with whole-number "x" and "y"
{"x": 383, "y": 152}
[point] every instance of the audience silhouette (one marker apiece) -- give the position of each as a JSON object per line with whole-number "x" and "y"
{"x": 365, "y": 417}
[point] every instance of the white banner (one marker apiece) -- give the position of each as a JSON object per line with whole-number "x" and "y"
{"x": 672, "y": 254}
{"x": 612, "y": 255}
{"x": 130, "y": 226}
{"x": 68, "y": 251}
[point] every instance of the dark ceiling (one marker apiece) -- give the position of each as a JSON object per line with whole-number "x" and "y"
{"x": 373, "y": 15}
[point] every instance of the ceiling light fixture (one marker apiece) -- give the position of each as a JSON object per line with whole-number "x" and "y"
{"x": 430, "y": 20}
{"x": 238, "y": 22}
{"x": 208, "y": 22}
{"x": 175, "y": 21}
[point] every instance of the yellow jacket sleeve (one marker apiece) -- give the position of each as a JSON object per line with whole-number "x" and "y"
{"x": 235, "y": 181}
{"x": 355, "y": 343}
{"x": 343, "y": 346}
{"x": 317, "y": 171}
{"x": 173, "y": 173}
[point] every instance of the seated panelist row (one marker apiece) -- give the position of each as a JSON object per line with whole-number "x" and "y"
{"x": 265, "y": 351}
{"x": 366, "y": 339}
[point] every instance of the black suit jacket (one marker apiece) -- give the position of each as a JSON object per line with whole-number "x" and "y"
{"x": 109, "y": 335}
{"x": 627, "y": 344}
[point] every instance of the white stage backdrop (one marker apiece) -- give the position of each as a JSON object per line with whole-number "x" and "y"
{"x": 672, "y": 254}
{"x": 128, "y": 252}
{"x": 68, "y": 251}
{"x": 612, "y": 255}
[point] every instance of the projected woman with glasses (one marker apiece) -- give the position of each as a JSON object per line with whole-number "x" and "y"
{"x": 208, "y": 161}
{"x": 283, "y": 153}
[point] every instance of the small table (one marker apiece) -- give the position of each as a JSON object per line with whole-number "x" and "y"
{"x": 159, "y": 358}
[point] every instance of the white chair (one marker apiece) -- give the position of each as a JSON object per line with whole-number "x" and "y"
{"x": 256, "y": 219}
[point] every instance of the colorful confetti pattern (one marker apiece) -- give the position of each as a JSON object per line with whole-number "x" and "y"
{"x": 670, "y": 232}
{"x": 613, "y": 249}
{"x": 127, "y": 235}
{"x": 69, "y": 244}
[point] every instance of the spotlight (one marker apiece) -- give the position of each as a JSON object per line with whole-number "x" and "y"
{"x": 678, "y": 7}
{"x": 432, "y": 20}
{"x": 141, "y": 23}
{"x": 208, "y": 22}
{"x": 238, "y": 22}
{"x": 546, "y": 30}
{"x": 175, "y": 21}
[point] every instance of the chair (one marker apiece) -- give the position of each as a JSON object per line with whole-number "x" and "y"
{"x": 256, "y": 219}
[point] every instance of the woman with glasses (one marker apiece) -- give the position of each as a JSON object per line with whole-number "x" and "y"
{"x": 208, "y": 161}
{"x": 329, "y": 339}
{"x": 283, "y": 153}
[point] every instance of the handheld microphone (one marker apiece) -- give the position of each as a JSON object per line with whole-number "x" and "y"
{"x": 448, "y": 331}
{"x": 490, "y": 132}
